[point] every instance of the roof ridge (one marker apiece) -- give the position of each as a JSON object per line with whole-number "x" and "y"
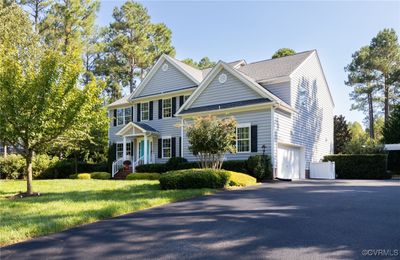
{"x": 298, "y": 53}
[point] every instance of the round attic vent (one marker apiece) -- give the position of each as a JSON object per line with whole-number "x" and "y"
{"x": 222, "y": 78}
{"x": 165, "y": 67}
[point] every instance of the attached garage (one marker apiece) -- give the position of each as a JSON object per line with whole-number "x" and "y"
{"x": 290, "y": 160}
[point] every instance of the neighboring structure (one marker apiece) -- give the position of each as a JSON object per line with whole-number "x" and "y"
{"x": 283, "y": 104}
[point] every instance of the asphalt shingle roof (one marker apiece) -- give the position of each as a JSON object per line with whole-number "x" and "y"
{"x": 146, "y": 127}
{"x": 273, "y": 68}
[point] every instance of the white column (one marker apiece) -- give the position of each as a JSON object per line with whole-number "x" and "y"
{"x": 145, "y": 159}
{"x": 124, "y": 148}
{"x": 181, "y": 137}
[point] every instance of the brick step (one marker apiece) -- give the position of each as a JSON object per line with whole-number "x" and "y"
{"x": 121, "y": 174}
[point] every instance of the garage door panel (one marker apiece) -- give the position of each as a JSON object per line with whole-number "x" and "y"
{"x": 288, "y": 162}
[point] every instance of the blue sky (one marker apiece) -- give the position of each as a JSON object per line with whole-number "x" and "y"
{"x": 227, "y": 30}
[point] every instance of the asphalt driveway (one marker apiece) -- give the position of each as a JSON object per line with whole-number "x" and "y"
{"x": 286, "y": 220}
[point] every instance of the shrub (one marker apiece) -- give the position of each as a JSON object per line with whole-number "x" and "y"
{"x": 42, "y": 163}
{"x": 360, "y": 166}
{"x": 156, "y": 167}
{"x": 80, "y": 176}
{"x": 194, "y": 179}
{"x": 240, "y": 179}
{"x": 259, "y": 167}
{"x": 143, "y": 176}
{"x": 12, "y": 167}
{"x": 174, "y": 162}
{"x": 100, "y": 175}
{"x": 235, "y": 165}
{"x": 394, "y": 162}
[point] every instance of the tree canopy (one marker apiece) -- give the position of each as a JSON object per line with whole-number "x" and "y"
{"x": 342, "y": 134}
{"x": 204, "y": 63}
{"x": 283, "y": 52}
{"x": 391, "y": 131}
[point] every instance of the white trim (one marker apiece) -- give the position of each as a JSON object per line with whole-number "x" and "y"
{"x": 127, "y": 126}
{"x": 182, "y": 137}
{"x": 273, "y": 138}
{"x": 243, "y": 125}
{"x": 153, "y": 71}
{"x": 116, "y": 149}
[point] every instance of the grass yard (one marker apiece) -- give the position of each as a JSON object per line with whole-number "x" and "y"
{"x": 68, "y": 203}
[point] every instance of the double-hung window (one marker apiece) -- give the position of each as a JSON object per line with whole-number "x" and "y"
{"x": 167, "y": 107}
{"x": 243, "y": 138}
{"x": 120, "y": 150}
{"x": 144, "y": 111}
{"x": 128, "y": 115}
{"x": 166, "y": 147}
{"x": 120, "y": 116}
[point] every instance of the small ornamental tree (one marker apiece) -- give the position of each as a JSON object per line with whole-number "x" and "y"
{"x": 210, "y": 138}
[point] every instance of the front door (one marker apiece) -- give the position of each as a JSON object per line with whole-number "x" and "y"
{"x": 149, "y": 149}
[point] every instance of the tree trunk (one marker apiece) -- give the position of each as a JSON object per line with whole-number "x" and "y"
{"x": 132, "y": 78}
{"x": 371, "y": 117}
{"x": 28, "y": 159}
{"x": 386, "y": 93}
{"x": 5, "y": 151}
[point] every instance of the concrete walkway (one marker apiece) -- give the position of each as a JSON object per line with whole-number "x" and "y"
{"x": 286, "y": 220}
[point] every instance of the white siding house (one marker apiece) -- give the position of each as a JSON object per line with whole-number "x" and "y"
{"x": 283, "y": 104}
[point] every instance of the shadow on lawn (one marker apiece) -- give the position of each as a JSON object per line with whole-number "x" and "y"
{"x": 269, "y": 220}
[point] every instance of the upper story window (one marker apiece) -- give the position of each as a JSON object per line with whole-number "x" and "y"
{"x": 124, "y": 115}
{"x": 144, "y": 111}
{"x": 166, "y": 147}
{"x": 167, "y": 108}
{"x": 120, "y": 116}
{"x": 243, "y": 138}
{"x": 302, "y": 96}
{"x": 128, "y": 115}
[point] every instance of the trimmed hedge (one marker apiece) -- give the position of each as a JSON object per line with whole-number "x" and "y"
{"x": 155, "y": 167}
{"x": 240, "y": 179}
{"x": 194, "y": 179}
{"x": 143, "y": 176}
{"x": 394, "y": 162}
{"x": 100, "y": 175}
{"x": 360, "y": 166}
{"x": 80, "y": 176}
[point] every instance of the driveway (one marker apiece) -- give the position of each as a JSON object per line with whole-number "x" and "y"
{"x": 285, "y": 220}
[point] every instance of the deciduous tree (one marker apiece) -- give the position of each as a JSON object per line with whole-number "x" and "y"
{"x": 283, "y": 52}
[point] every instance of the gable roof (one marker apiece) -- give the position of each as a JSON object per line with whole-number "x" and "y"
{"x": 264, "y": 93}
{"x": 274, "y": 68}
{"x": 120, "y": 102}
{"x": 193, "y": 74}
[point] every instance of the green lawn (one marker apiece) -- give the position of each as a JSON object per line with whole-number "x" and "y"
{"x": 68, "y": 203}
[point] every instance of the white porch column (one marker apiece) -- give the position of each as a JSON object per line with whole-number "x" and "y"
{"x": 145, "y": 159}
{"x": 124, "y": 149}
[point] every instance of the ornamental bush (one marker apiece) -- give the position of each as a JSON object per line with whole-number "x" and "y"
{"x": 259, "y": 166}
{"x": 100, "y": 175}
{"x": 240, "y": 179}
{"x": 194, "y": 179}
{"x": 143, "y": 176}
{"x": 360, "y": 166}
{"x": 80, "y": 176}
{"x": 155, "y": 167}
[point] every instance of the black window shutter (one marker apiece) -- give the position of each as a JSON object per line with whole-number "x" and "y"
{"x": 254, "y": 138}
{"x": 180, "y": 101}
{"x": 138, "y": 112}
{"x": 160, "y": 109}
{"x": 173, "y": 106}
{"x": 180, "y": 146}
{"x": 159, "y": 148}
{"x": 173, "y": 147}
{"x": 133, "y": 120}
{"x": 115, "y": 117}
{"x": 151, "y": 110}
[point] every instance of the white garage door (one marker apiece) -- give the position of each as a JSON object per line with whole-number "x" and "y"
{"x": 288, "y": 162}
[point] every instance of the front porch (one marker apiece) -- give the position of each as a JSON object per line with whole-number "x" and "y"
{"x": 137, "y": 147}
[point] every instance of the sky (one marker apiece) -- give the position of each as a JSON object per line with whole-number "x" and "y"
{"x": 232, "y": 30}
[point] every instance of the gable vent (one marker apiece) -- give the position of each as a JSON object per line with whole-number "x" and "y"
{"x": 222, "y": 78}
{"x": 165, "y": 67}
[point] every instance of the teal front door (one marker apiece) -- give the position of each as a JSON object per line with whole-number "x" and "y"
{"x": 141, "y": 149}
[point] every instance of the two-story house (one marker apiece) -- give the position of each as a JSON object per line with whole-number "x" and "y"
{"x": 283, "y": 108}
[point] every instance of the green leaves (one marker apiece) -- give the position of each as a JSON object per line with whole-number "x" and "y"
{"x": 283, "y": 52}
{"x": 391, "y": 131}
{"x": 210, "y": 138}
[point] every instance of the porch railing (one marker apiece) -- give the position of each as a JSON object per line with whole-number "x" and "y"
{"x": 118, "y": 164}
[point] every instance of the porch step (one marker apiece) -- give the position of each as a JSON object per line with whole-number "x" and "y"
{"x": 121, "y": 174}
